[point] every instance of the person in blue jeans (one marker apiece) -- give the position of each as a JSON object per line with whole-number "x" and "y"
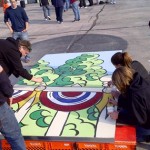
{"x": 46, "y": 9}
{"x": 66, "y": 5}
{"x": 9, "y": 126}
{"x": 76, "y": 11}
{"x": 19, "y": 22}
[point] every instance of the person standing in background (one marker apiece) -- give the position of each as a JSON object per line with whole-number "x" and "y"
{"x": 66, "y": 5}
{"x": 59, "y": 6}
{"x": 76, "y": 11}
{"x": 5, "y": 5}
{"x": 46, "y": 9}
{"x": 19, "y": 22}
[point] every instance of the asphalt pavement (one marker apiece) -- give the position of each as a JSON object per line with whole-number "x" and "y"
{"x": 121, "y": 26}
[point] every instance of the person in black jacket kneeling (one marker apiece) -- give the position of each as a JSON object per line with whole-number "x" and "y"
{"x": 133, "y": 99}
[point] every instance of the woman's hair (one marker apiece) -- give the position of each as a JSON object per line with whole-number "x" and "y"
{"x": 122, "y": 59}
{"x": 122, "y": 78}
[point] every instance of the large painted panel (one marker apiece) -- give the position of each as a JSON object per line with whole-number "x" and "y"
{"x": 72, "y": 101}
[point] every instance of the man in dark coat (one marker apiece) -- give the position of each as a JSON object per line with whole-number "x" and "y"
{"x": 10, "y": 54}
{"x": 59, "y": 6}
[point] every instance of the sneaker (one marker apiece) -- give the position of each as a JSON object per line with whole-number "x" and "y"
{"x": 76, "y": 20}
{"x": 113, "y": 2}
{"x": 49, "y": 18}
{"x": 61, "y": 22}
{"x": 45, "y": 19}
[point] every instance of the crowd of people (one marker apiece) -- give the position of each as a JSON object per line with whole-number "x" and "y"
{"x": 64, "y": 5}
{"x": 60, "y": 7}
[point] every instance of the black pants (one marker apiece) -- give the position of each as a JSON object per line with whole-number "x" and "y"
{"x": 90, "y": 2}
{"x": 82, "y": 3}
{"x": 59, "y": 13}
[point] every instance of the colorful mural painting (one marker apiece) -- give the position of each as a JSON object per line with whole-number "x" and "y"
{"x": 72, "y": 102}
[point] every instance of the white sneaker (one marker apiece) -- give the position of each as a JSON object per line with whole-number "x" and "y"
{"x": 113, "y": 2}
{"x": 49, "y": 18}
{"x": 45, "y": 19}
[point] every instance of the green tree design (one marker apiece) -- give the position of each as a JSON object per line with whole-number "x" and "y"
{"x": 84, "y": 70}
{"x": 40, "y": 118}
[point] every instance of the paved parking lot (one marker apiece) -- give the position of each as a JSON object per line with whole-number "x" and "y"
{"x": 123, "y": 26}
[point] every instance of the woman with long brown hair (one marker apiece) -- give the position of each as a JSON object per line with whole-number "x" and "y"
{"x": 133, "y": 101}
{"x": 124, "y": 59}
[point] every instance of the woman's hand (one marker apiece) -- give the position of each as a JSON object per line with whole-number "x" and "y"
{"x": 113, "y": 102}
{"x": 114, "y": 115}
{"x": 115, "y": 94}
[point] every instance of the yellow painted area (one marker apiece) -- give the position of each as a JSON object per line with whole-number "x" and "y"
{"x": 104, "y": 101}
{"x": 34, "y": 94}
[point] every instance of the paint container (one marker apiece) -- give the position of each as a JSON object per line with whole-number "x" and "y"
{"x": 110, "y": 109}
